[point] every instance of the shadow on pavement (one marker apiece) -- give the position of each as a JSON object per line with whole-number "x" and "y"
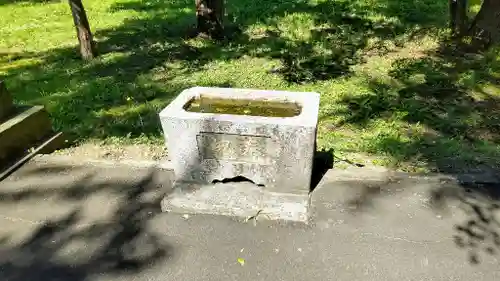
{"x": 472, "y": 209}
{"x": 479, "y": 233}
{"x": 322, "y": 162}
{"x": 96, "y": 226}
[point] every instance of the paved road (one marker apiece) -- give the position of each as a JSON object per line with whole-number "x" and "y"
{"x": 102, "y": 224}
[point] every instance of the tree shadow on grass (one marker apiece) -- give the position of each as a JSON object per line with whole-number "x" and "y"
{"x": 452, "y": 99}
{"x": 75, "y": 241}
{"x": 120, "y": 93}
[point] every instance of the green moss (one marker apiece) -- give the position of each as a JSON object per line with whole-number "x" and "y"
{"x": 265, "y": 108}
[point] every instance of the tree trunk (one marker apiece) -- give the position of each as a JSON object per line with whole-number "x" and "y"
{"x": 210, "y": 14}
{"x": 87, "y": 45}
{"x": 485, "y": 29}
{"x": 458, "y": 15}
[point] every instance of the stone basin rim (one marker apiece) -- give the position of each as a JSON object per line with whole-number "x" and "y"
{"x": 309, "y": 102}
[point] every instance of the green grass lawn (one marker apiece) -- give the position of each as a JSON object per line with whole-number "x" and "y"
{"x": 387, "y": 93}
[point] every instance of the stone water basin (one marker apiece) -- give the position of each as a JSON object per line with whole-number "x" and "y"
{"x": 265, "y": 136}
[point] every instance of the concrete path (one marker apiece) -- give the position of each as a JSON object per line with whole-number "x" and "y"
{"x": 61, "y": 222}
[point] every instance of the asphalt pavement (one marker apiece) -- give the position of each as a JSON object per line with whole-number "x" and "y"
{"x": 94, "y": 223}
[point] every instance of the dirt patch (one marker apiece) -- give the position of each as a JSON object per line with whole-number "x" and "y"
{"x": 115, "y": 152}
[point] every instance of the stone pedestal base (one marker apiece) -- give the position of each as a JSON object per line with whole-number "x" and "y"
{"x": 239, "y": 199}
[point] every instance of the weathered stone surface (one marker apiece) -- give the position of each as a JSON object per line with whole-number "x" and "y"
{"x": 238, "y": 199}
{"x": 23, "y": 130}
{"x": 5, "y": 102}
{"x": 270, "y": 151}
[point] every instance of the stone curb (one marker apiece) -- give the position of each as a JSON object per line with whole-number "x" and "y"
{"x": 238, "y": 200}
{"x": 71, "y": 161}
{"x": 241, "y": 200}
{"x": 383, "y": 174}
{"x": 349, "y": 174}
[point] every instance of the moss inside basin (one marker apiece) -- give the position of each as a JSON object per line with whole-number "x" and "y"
{"x": 250, "y": 107}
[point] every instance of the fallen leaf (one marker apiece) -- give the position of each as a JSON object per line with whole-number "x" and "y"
{"x": 241, "y": 261}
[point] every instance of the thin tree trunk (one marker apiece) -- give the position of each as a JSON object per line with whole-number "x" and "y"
{"x": 458, "y": 15}
{"x": 210, "y": 14}
{"x": 486, "y": 25}
{"x": 87, "y": 45}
